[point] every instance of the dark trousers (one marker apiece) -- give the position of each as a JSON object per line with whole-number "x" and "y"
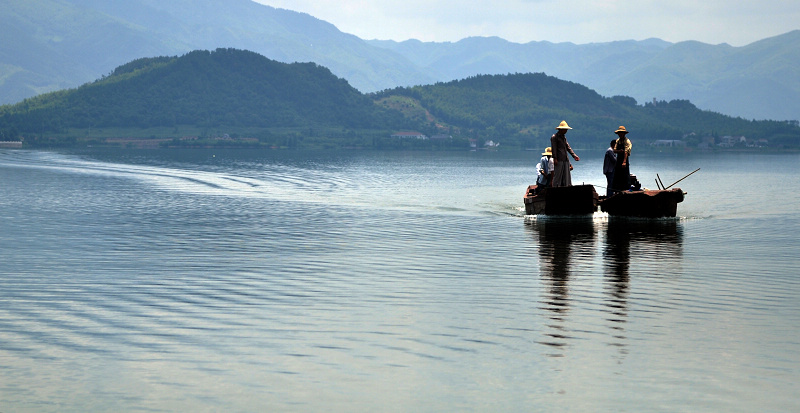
{"x": 610, "y": 181}
{"x": 622, "y": 178}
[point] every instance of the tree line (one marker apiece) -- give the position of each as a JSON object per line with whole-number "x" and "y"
{"x": 305, "y": 105}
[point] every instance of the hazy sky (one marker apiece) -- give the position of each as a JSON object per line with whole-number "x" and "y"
{"x": 579, "y": 21}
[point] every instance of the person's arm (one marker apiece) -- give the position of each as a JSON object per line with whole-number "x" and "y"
{"x": 617, "y": 150}
{"x": 571, "y": 152}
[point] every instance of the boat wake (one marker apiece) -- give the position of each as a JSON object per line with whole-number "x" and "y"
{"x": 352, "y": 186}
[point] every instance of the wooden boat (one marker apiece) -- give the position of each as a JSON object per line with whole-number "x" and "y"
{"x": 566, "y": 200}
{"x": 645, "y": 203}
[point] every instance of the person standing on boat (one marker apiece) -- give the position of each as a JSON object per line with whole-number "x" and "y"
{"x": 609, "y": 162}
{"x": 622, "y": 171}
{"x": 544, "y": 170}
{"x": 560, "y": 147}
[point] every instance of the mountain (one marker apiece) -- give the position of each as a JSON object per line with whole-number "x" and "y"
{"x": 50, "y": 45}
{"x": 54, "y": 44}
{"x": 523, "y": 109}
{"x": 757, "y": 81}
{"x": 230, "y": 91}
{"x": 493, "y": 55}
{"x": 225, "y": 88}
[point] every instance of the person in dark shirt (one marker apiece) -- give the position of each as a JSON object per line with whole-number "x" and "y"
{"x": 560, "y": 147}
{"x": 608, "y": 166}
{"x": 622, "y": 171}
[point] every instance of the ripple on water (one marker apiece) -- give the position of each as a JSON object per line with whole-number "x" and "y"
{"x": 194, "y": 283}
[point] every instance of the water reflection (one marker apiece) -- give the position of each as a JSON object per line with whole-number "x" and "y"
{"x": 657, "y": 242}
{"x": 654, "y": 241}
{"x": 617, "y": 259}
{"x": 563, "y": 243}
{"x": 568, "y": 258}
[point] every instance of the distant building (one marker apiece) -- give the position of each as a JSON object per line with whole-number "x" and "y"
{"x": 760, "y": 143}
{"x": 441, "y": 136}
{"x": 10, "y": 144}
{"x": 491, "y": 144}
{"x": 409, "y": 135}
{"x": 669, "y": 143}
{"x": 728, "y": 141}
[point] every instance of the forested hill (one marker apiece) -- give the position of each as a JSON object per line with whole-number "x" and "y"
{"x": 525, "y": 108}
{"x": 243, "y": 94}
{"x": 226, "y": 87}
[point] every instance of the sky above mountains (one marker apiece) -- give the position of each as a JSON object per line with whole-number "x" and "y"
{"x": 578, "y": 21}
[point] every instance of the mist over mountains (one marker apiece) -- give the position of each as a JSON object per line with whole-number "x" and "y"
{"x": 55, "y": 44}
{"x": 757, "y": 81}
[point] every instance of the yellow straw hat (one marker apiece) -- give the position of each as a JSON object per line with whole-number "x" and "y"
{"x": 548, "y": 151}
{"x": 563, "y": 125}
{"x": 621, "y": 129}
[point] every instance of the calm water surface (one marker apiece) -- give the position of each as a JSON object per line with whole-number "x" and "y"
{"x": 272, "y": 281}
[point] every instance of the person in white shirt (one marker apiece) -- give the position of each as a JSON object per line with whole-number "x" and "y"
{"x": 544, "y": 169}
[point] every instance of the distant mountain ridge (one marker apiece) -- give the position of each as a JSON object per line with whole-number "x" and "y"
{"x": 759, "y": 81}
{"x": 226, "y": 87}
{"x": 55, "y": 44}
{"x": 207, "y": 94}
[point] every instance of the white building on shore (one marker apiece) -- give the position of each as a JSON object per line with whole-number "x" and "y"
{"x": 409, "y": 135}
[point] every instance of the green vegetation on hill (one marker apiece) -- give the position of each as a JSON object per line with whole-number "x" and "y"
{"x": 224, "y": 87}
{"x": 221, "y": 90}
{"x": 522, "y": 110}
{"x": 239, "y": 98}
{"x": 50, "y": 45}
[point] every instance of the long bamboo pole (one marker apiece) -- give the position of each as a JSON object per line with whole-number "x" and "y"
{"x": 682, "y": 178}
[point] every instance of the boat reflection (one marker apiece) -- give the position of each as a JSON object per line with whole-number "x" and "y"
{"x": 576, "y": 251}
{"x": 559, "y": 239}
{"x": 653, "y": 243}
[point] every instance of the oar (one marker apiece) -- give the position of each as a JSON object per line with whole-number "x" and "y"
{"x": 659, "y": 181}
{"x": 682, "y": 178}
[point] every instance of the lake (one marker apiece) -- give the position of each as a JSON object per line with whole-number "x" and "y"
{"x": 225, "y": 280}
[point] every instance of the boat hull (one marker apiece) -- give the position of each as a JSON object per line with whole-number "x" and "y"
{"x": 645, "y": 204}
{"x": 568, "y": 200}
